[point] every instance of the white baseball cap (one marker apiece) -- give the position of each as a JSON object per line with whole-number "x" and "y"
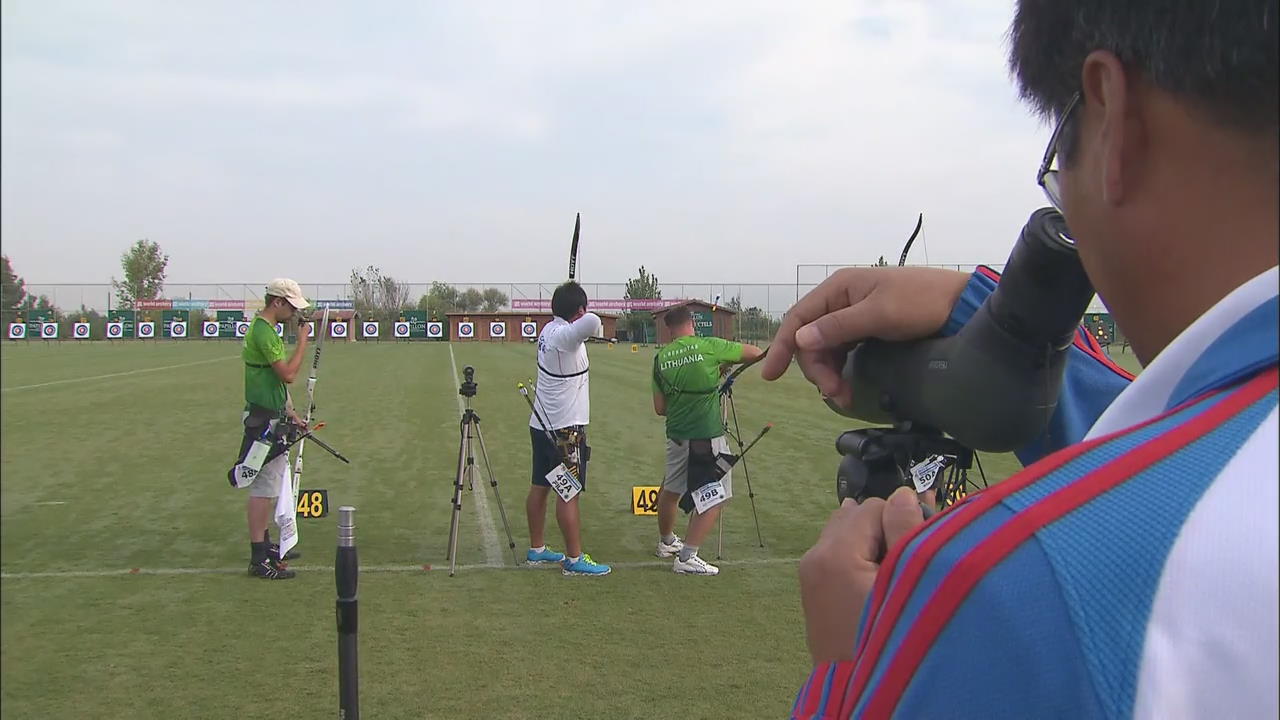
{"x": 289, "y": 290}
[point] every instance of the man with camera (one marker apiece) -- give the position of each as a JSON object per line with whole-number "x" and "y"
{"x": 686, "y": 390}
{"x": 1131, "y": 572}
{"x": 267, "y": 405}
{"x": 562, "y": 407}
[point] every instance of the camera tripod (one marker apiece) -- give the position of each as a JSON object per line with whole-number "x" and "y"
{"x": 729, "y": 411}
{"x": 469, "y": 431}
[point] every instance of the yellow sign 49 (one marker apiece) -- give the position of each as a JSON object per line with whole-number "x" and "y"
{"x": 644, "y": 500}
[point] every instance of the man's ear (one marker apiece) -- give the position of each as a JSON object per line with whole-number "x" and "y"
{"x": 1108, "y": 103}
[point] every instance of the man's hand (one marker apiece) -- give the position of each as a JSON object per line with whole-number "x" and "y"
{"x": 856, "y": 304}
{"x": 293, "y": 417}
{"x": 838, "y": 572}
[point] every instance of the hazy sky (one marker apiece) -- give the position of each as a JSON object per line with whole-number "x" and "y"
{"x": 709, "y": 141}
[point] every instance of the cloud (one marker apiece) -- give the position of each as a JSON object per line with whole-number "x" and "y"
{"x": 718, "y": 140}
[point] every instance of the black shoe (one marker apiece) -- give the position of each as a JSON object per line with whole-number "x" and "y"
{"x": 273, "y": 550}
{"x": 268, "y": 569}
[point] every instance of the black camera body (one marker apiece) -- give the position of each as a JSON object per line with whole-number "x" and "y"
{"x": 993, "y": 386}
{"x": 468, "y": 387}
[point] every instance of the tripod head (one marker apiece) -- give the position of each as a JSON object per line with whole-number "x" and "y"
{"x": 468, "y": 387}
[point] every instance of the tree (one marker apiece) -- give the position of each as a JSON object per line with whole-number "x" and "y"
{"x": 881, "y": 262}
{"x": 144, "y": 267}
{"x": 493, "y": 299}
{"x": 441, "y": 299}
{"x": 12, "y": 291}
{"x": 752, "y": 324}
{"x": 642, "y": 287}
{"x": 32, "y": 306}
{"x": 470, "y": 301}
{"x": 378, "y": 296}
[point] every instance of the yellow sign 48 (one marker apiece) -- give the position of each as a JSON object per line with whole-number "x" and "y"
{"x": 644, "y": 500}
{"x": 313, "y": 503}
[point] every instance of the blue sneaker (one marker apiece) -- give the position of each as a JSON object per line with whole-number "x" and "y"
{"x": 545, "y": 556}
{"x": 584, "y": 566}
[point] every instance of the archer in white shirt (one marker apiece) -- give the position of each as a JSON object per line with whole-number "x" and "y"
{"x": 558, "y": 428}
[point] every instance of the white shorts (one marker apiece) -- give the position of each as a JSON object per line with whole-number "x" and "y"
{"x": 677, "y": 479}
{"x": 270, "y": 479}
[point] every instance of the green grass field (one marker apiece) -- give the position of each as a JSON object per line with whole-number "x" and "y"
{"x": 114, "y": 458}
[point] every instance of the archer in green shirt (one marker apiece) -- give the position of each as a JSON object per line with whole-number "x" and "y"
{"x": 686, "y": 390}
{"x": 266, "y": 372}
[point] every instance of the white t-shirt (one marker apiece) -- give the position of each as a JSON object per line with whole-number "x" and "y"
{"x": 563, "y": 397}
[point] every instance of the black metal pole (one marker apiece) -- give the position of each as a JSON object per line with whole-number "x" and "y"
{"x": 346, "y": 571}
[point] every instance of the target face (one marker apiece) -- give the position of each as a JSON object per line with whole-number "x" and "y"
{"x": 466, "y": 330}
{"x": 80, "y": 331}
{"x": 435, "y": 329}
{"x": 401, "y": 330}
{"x": 115, "y": 330}
{"x": 370, "y": 329}
{"x": 209, "y": 329}
{"x": 497, "y": 329}
{"x": 177, "y": 329}
{"x": 529, "y": 329}
{"x": 280, "y": 329}
{"x": 146, "y": 329}
{"x": 310, "y": 329}
{"x": 338, "y": 330}
{"x": 17, "y": 331}
{"x": 242, "y": 328}
{"x": 49, "y": 331}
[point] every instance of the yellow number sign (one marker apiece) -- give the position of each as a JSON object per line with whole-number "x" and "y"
{"x": 313, "y": 503}
{"x": 644, "y": 500}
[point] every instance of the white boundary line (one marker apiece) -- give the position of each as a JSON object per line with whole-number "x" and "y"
{"x": 72, "y": 574}
{"x": 119, "y": 374}
{"x": 492, "y": 551}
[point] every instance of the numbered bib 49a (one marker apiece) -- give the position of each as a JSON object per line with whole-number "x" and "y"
{"x": 563, "y": 482}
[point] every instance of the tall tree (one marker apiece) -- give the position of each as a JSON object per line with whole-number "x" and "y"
{"x": 376, "y": 295}
{"x": 144, "y": 267}
{"x": 882, "y": 262}
{"x": 470, "y": 300}
{"x": 12, "y": 291}
{"x": 442, "y": 298}
{"x": 642, "y": 287}
{"x": 494, "y": 299}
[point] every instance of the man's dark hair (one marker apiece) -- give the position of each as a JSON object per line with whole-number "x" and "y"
{"x": 677, "y": 317}
{"x": 567, "y": 300}
{"x": 1219, "y": 57}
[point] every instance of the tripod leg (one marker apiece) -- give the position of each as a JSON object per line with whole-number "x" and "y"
{"x": 493, "y": 483}
{"x": 457, "y": 498}
{"x": 746, "y": 473}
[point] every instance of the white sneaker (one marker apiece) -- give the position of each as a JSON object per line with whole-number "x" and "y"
{"x": 665, "y": 551}
{"x": 694, "y": 566}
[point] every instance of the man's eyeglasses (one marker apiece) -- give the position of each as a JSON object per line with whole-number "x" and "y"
{"x": 1047, "y": 178}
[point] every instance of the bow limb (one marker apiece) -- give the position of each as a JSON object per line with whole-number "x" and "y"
{"x": 902, "y": 260}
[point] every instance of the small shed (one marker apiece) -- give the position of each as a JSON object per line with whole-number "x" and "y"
{"x": 708, "y": 320}
{"x": 509, "y": 326}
